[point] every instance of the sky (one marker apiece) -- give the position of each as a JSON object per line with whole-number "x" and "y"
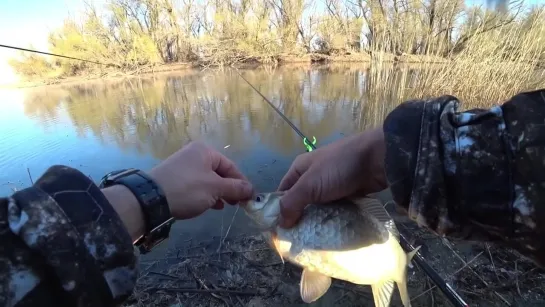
{"x": 25, "y": 22}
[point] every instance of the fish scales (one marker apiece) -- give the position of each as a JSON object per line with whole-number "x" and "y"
{"x": 338, "y": 232}
{"x": 356, "y": 243}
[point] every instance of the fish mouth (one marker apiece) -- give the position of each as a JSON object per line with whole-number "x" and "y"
{"x": 246, "y": 204}
{"x": 248, "y": 208}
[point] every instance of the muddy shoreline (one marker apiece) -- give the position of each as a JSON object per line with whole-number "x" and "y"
{"x": 305, "y": 60}
{"x": 244, "y": 271}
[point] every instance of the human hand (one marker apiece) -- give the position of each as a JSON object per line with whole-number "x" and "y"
{"x": 197, "y": 178}
{"x": 352, "y": 165}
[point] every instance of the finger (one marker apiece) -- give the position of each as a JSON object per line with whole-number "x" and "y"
{"x": 293, "y": 202}
{"x": 225, "y": 167}
{"x": 233, "y": 190}
{"x": 289, "y": 179}
{"x": 297, "y": 169}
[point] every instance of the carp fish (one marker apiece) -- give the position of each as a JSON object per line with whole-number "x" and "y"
{"x": 352, "y": 240}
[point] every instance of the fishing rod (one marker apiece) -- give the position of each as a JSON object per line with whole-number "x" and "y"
{"x": 455, "y": 299}
{"x": 53, "y": 54}
{"x": 275, "y": 108}
{"x": 309, "y": 146}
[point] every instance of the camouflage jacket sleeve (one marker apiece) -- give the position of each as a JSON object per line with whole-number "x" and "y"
{"x": 62, "y": 244}
{"x": 473, "y": 175}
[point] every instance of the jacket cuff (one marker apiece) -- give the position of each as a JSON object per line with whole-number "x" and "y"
{"x": 402, "y": 137}
{"x": 450, "y": 170}
{"x": 66, "y": 220}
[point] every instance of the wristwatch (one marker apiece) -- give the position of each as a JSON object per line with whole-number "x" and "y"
{"x": 152, "y": 200}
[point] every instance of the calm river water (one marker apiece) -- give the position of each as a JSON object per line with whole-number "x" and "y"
{"x": 102, "y": 126}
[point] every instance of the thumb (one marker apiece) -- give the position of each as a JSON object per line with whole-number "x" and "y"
{"x": 233, "y": 190}
{"x": 293, "y": 202}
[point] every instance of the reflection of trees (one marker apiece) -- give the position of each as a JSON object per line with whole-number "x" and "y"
{"x": 161, "y": 113}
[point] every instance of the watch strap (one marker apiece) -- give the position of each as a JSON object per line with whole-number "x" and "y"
{"x": 153, "y": 202}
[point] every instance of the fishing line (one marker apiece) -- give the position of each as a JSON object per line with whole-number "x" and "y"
{"x": 447, "y": 290}
{"x": 53, "y": 54}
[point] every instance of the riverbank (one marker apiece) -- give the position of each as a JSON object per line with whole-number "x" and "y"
{"x": 280, "y": 60}
{"x": 106, "y": 74}
{"x": 244, "y": 271}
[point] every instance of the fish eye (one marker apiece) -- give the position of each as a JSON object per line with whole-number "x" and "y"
{"x": 259, "y": 198}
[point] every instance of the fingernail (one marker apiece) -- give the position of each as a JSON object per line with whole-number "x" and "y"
{"x": 247, "y": 188}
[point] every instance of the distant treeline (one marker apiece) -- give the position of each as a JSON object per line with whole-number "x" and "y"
{"x": 131, "y": 34}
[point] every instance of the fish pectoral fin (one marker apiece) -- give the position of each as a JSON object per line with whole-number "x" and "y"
{"x": 313, "y": 285}
{"x": 276, "y": 245}
{"x": 374, "y": 207}
{"x": 382, "y": 293}
{"x": 412, "y": 253}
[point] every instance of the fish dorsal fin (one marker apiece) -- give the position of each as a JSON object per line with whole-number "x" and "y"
{"x": 382, "y": 293}
{"x": 374, "y": 207}
{"x": 313, "y": 285}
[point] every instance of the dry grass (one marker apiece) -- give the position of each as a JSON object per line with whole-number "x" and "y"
{"x": 477, "y": 85}
{"x": 491, "y": 68}
{"x": 246, "y": 272}
{"x": 483, "y": 274}
{"x": 483, "y": 71}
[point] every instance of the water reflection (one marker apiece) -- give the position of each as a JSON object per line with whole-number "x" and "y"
{"x": 98, "y": 127}
{"x": 158, "y": 114}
